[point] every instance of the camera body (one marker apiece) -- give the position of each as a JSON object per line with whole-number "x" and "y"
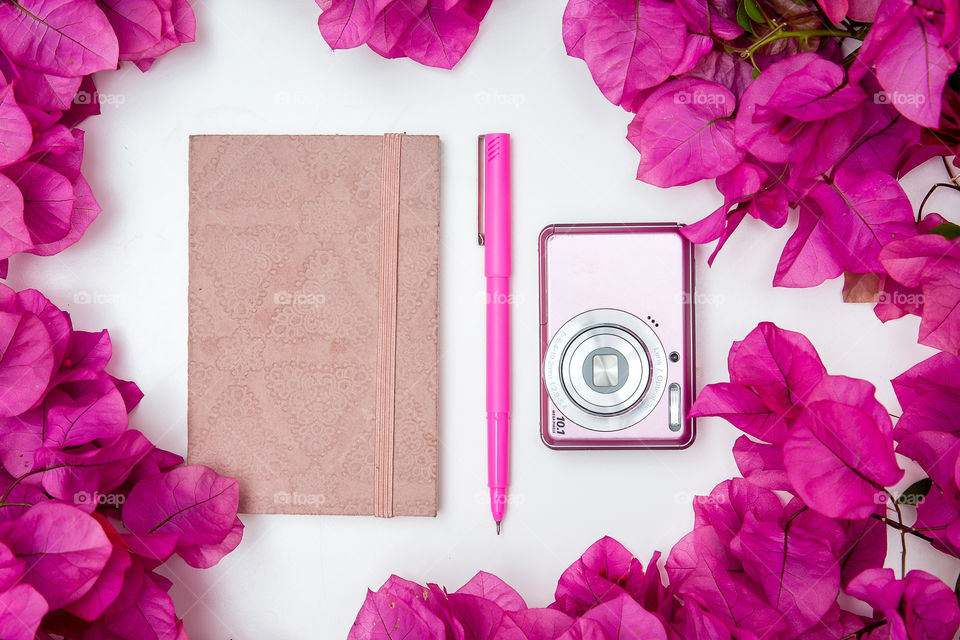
{"x": 616, "y": 336}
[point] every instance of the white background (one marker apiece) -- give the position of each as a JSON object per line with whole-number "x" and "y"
{"x": 262, "y": 67}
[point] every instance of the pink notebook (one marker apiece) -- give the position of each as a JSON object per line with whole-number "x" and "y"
{"x": 313, "y": 314}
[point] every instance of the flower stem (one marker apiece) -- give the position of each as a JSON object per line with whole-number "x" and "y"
{"x": 946, "y": 165}
{"x": 867, "y": 629}
{"x": 814, "y": 33}
{"x": 777, "y": 33}
{"x": 903, "y": 528}
{"x": 903, "y": 535}
{"x": 946, "y": 185}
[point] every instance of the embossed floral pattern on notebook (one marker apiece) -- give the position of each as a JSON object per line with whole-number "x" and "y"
{"x": 283, "y": 313}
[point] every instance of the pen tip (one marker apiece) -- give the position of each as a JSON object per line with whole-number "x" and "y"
{"x": 498, "y": 527}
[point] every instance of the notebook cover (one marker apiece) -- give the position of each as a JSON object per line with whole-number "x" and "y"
{"x": 283, "y": 320}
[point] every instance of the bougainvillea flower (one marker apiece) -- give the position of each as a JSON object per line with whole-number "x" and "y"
{"x": 748, "y": 189}
{"x": 782, "y": 366}
{"x": 488, "y": 586}
{"x": 885, "y": 140}
{"x": 45, "y": 203}
{"x": 146, "y": 29}
{"x": 106, "y": 589}
{"x": 796, "y": 565}
{"x": 908, "y": 45}
{"x": 204, "y": 556}
{"x": 142, "y": 609}
{"x": 732, "y": 72}
{"x": 21, "y": 610}
{"x": 628, "y": 46}
{"x": 535, "y": 624}
{"x": 761, "y": 463}
{"x": 939, "y": 515}
{"x": 843, "y": 224}
{"x": 864, "y": 546}
{"x": 684, "y": 132}
{"x": 863, "y": 212}
{"x": 840, "y": 455}
{"x": 604, "y": 571}
{"x": 919, "y": 606}
{"x": 711, "y": 17}
{"x": 100, "y": 469}
{"x": 772, "y": 371}
{"x": 67, "y": 549}
{"x": 617, "y": 618}
{"x": 26, "y": 364}
{"x": 15, "y": 129}
{"x": 729, "y": 504}
{"x": 795, "y": 105}
{"x": 931, "y": 263}
{"x": 939, "y": 372}
{"x": 435, "y": 33}
{"x": 702, "y": 568}
{"x": 384, "y": 613}
{"x": 66, "y": 38}
{"x": 837, "y": 440}
{"x": 192, "y": 502}
{"x": 692, "y": 620}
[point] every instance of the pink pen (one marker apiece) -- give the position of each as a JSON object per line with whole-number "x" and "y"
{"x": 493, "y": 232}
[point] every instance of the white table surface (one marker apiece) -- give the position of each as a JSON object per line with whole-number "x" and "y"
{"x": 262, "y": 67}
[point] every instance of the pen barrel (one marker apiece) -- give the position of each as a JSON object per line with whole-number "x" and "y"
{"x": 496, "y": 239}
{"x": 496, "y": 196}
{"x": 498, "y": 432}
{"x": 498, "y": 391}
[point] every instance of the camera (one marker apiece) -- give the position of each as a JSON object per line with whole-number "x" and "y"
{"x": 616, "y": 336}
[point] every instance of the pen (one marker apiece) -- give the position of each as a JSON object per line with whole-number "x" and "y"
{"x": 493, "y": 232}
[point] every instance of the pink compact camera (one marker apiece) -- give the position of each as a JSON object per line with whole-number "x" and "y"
{"x": 616, "y": 336}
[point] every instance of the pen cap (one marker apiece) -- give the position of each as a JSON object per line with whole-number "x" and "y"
{"x": 496, "y": 204}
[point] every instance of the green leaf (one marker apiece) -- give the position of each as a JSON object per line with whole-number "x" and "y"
{"x": 948, "y": 230}
{"x": 755, "y": 73}
{"x": 752, "y": 10}
{"x": 743, "y": 18}
{"x": 915, "y": 493}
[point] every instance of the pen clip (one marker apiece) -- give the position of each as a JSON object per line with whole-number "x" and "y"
{"x": 481, "y": 178}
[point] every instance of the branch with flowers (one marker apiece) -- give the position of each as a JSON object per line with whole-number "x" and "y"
{"x": 812, "y": 112}
{"x": 435, "y": 33}
{"x": 89, "y": 508}
{"x": 783, "y": 552}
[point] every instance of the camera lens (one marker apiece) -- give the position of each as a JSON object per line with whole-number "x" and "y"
{"x": 605, "y": 369}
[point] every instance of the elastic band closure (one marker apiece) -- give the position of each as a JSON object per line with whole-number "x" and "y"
{"x": 387, "y": 322}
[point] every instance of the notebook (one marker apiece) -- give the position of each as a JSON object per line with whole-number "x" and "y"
{"x": 313, "y": 320}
